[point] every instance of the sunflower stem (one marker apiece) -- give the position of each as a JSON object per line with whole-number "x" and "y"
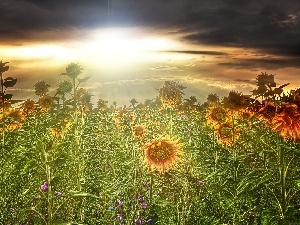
{"x": 2, "y": 98}
{"x": 283, "y": 191}
{"x": 171, "y": 123}
{"x": 151, "y": 188}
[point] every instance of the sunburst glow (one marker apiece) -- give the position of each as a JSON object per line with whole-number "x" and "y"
{"x": 113, "y": 46}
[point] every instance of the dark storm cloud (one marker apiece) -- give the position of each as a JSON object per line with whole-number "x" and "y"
{"x": 262, "y": 63}
{"x": 266, "y": 25}
{"x": 272, "y": 26}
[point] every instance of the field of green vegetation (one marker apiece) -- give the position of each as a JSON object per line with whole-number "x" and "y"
{"x": 169, "y": 160}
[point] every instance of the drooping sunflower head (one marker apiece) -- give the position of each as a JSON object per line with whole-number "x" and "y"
{"x": 162, "y": 154}
{"x": 212, "y": 99}
{"x": 171, "y": 95}
{"x": 45, "y": 103}
{"x": 28, "y": 106}
{"x": 227, "y": 134}
{"x": 234, "y": 100}
{"x": 216, "y": 115}
{"x": 16, "y": 115}
{"x": 41, "y": 88}
{"x": 287, "y": 122}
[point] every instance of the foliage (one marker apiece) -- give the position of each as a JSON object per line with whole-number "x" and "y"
{"x": 76, "y": 165}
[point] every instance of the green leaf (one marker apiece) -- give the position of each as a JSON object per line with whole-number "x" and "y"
{"x": 82, "y": 194}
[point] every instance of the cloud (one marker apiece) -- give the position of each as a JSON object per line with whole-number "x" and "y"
{"x": 269, "y": 63}
{"x": 193, "y": 52}
{"x": 270, "y": 26}
{"x": 166, "y": 68}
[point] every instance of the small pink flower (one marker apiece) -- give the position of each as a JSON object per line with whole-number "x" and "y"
{"x": 44, "y": 187}
{"x": 201, "y": 182}
{"x": 144, "y": 205}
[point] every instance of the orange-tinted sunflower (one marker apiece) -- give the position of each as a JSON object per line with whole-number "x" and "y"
{"x": 162, "y": 154}
{"x": 59, "y": 130}
{"x": 244, "y": 114}
{"x": 15, "y": 118}
{"x": 62, "y": 126}
{"x": 45, "y": 102}
{"x": 216, "y": 115}
{"x": 226, "y": 134}
{"x": 28, "y": 107}
{"x": 268, "y": 111}
{"x": 16, "y": 115}
{"x": 14, "y": 126}
{"x": 287, "y": 122}
{"x": 6, "y": 105}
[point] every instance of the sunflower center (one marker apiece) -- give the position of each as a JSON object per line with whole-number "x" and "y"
{"x": 161, "y": 151}
{"x": 226, "y": 132}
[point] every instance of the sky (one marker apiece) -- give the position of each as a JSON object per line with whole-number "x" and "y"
{"x": 131, "y": 47}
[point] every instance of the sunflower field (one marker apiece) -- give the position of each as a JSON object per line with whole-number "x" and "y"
{"x": 169, "y": 160}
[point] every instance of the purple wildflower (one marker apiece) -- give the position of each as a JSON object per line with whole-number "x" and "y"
{"x": 144, "y": 205}
{"x": 58, "y": 194}
{"x": 138, "y": 222}
{"x": 44, "y": 187}
{"x": 146, "y": 186}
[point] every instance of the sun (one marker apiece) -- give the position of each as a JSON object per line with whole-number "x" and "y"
{"x": 122, "y": 46}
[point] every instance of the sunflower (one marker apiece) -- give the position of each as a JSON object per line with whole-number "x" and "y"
{"x": 63, "y": 125}
{"x": 28, "y": 107}
{"x": 235, "y": 100}
{"x": 216, "y": 115}
{"x": 14, "y": 126}
{"x": 59, "y": 130}
{"x": 227, "y": 134}
{"x": 244, "y": 114}
{"x": 170, "y": 95}
{"x": 138, "y": 131}
{"x": 41, "y": 88}
{"x": 45, "y": 102}
{"x": 16, "y": 115}
{"x": 268, "y": 111}
{"x": 102, "y": 105}
{"x": 7, "y": 106}
{"x": 287, "y": 122}
{"x": 162, "y": 154}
